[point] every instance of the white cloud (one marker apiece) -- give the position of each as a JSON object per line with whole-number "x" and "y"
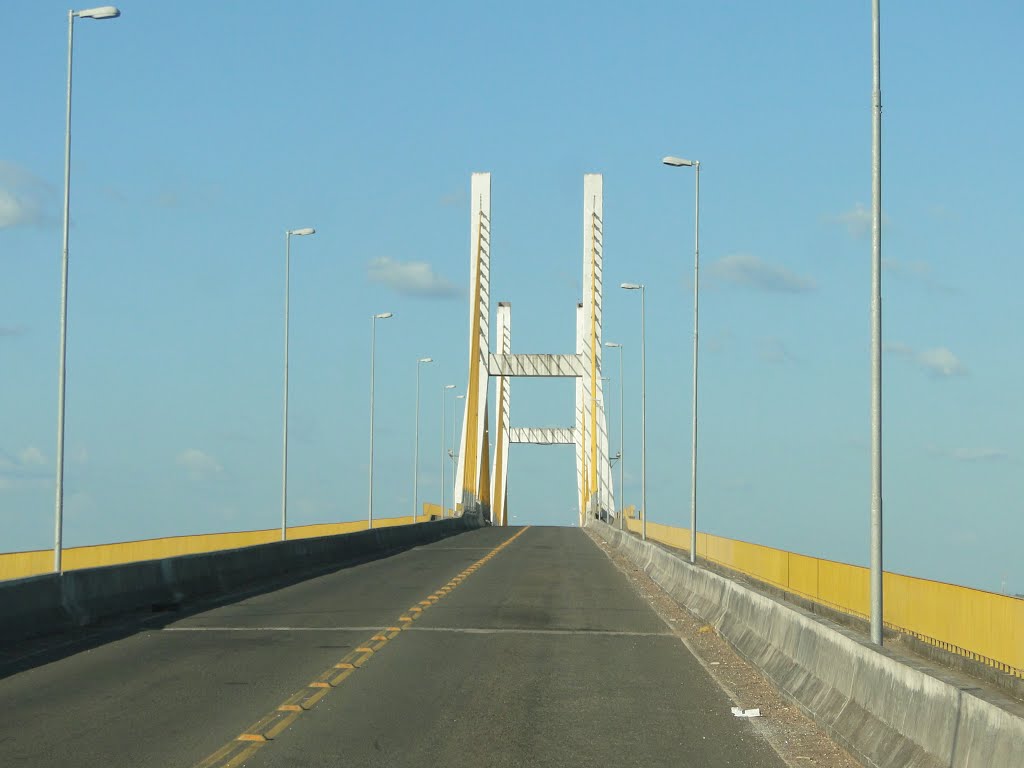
{"x": 752, "y": 272}
{"x": 22, "y": 195}
{"x": 411, "y": 278}
{"x": 14, "y": 211}
{"x": 31, "y": 456}
{"x": 856, "y": 221}
{"x": 939, "y": 362}
{"x": 199, "y": 463}
{"x": 25, "y": 469}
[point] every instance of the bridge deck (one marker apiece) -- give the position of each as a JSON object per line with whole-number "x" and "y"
{"x": 543, "y": 655}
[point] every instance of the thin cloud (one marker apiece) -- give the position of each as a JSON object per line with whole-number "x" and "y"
{"x": 717, "y": 341}
{"x": 943, "y": 213}
{"x": 25, "y": 469}
{"x": 31, "y": 456}
{"x": 938, "y": 362}
{"x": 970, "y": 455}
{"x": 775, "y": 351}
{"x": 411, "y": 278}
{"x": 941, "y": 363}
{"x": 917, "y": 271}
{"x": 199, "y": 463}
{"x": 453, "y": 199}
{"x": 752, "y": 272}
{"x": 856, "y": 221}
{"x": 23, "y": 196}
{"x": 12, "y": 330}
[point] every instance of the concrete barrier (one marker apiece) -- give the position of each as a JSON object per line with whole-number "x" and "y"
{"x": 53, "y": 603}
{"x": 889, "y": 712}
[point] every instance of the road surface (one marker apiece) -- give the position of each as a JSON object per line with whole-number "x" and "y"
{"x": 497, "y": 647}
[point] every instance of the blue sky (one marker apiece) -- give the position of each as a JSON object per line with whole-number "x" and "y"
{"x": 200, "y": 137}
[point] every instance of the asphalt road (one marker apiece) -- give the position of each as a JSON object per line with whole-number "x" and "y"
{"x": 539, "y": 653}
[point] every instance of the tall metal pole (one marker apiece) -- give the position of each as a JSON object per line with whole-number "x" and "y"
{"x": 444, "y": 423}
{"x": 416, "y": 449}
{"x": 696, "y": 293}
{"x": 455, "y": 463}
{"x": 373, "y": 342}
{"x": 284, "y": 429}
{"x": 622, "y": 444}
{"x": 62, "y": 375}
{"x": 643, "y": 410}
{"x": 876, "y": 331}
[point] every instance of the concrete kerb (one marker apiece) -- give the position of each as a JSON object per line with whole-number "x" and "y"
{"x": 52, "y": 603}
{"x": 889, "y": 712}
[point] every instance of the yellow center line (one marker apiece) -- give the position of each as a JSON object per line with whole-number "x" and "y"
{"x": 268, "y": 727}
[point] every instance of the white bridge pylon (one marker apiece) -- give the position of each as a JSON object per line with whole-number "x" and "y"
{"x": 480, "y": 487}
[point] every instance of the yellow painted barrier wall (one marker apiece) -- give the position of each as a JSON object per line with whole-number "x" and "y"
{"x": 17, "y": 565}
{"x": 985, "y": 626}
{"x": 434, "y": 510}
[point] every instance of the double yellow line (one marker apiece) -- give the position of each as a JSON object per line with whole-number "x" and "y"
{"x": 271, "y": 725}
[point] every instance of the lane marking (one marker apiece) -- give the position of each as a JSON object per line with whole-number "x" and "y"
{"x": 527, "y": 631}
{"x": 464, "y": 630}
{"x": 270, "y": 629}
{"x": 268, "y": 727}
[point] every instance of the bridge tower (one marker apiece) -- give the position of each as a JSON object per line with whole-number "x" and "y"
{"x": 480, "y": 487}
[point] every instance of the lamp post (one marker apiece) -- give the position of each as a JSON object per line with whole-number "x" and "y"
{"x": 444, "y": 424}
{"x": 455, "y": 463}
{"x": 373, "y": 346}
{"x": 284, "y": 430}
{"x": 876, "y": 329}
{"x": 416, "y": 448}
{"x": 103, "y": 12}
{"x": 643, "y": 403}
{"x": 622, "y": 431}
{"x": 678, "y": 162}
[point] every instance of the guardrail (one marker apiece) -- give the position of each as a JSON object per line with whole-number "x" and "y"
{"x": 983, "y": 626}
{"x": 19, "y": 565}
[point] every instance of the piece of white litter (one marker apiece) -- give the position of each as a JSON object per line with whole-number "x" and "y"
{"x": 715, "y": 663}
{"x": 746, "y": 712}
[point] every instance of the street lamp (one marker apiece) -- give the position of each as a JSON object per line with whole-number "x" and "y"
{"x": 678, "y": 162}
{"x": 444, "y": 423}
{"x": 373, "y": 346}
{"x": 455, "y": 463}
{"x": 284, "y": 430}
{"x": 622, "y": 487}
{"x": 876, "y": 329}
{"x": 643, "y": 403}
{"x": 103, "y": 12}
{"x": 416, "y": 449}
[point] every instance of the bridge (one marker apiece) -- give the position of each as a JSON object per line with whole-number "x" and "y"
{"x": 456, "y": 639}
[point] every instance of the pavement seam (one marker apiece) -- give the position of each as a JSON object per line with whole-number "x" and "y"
{"x": 267, "y": 728}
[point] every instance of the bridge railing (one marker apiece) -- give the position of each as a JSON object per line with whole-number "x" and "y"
{"x": 17, "y": 565}
{"x": 983, "y": 626}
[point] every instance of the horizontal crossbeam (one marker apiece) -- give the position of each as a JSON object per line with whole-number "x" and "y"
{"x": 542, "y": 435}
{"x": 535, "y": 365}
